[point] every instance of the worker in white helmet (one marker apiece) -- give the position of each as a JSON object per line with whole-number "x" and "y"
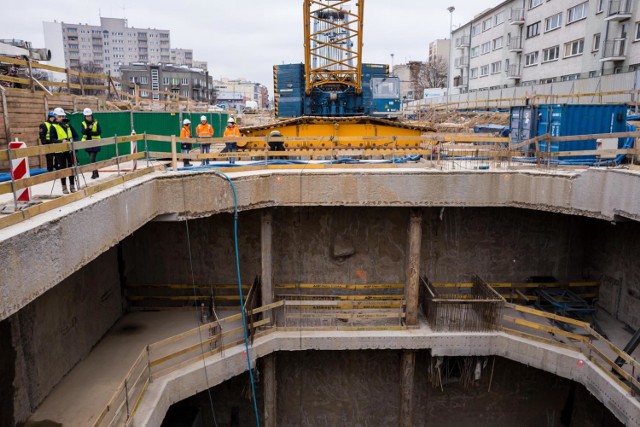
{"x": 91, "y": 130}
{"x": 185, "y": 132}
{"x": 61, "y": 132}
{"x": 204, "y": 130}
{"x": 232, "y": 131}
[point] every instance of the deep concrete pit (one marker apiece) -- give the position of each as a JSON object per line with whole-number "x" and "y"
{"x": 329, "y": 388}
{"x": 503, "y": 227}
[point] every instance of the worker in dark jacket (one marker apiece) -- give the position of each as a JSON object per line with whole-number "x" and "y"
{"x": 91, "y": 130}
{"x": 45, "y": 139}
{"x": 61, "y": 131}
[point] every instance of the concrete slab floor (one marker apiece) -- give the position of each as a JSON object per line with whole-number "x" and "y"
{"x": 84, "y": 391}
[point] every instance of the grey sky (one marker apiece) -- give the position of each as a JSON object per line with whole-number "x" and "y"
{"x": 245, "y": 38}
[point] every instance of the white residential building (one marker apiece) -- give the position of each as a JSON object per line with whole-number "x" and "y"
{"x": 182, "y": 57}
{"x": 107, "y": 46}
{"x": 524, "y": 42}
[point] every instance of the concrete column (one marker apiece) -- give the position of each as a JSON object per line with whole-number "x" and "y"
{"x": 407, "y": 371}
{"x": 266, "y": 232}
{"x": 412, "y": 276}
{"x": 269, "y": 378}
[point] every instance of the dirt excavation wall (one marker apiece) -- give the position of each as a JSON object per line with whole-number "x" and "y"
{"x": 613, "y": 257}
{"x": 326, "y": 388}
{"x": 358, "y": 245}
{"x": 44, "y": 340}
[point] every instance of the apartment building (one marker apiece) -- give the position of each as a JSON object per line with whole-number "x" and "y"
{"x": 439, "y": 48}
{"x": 239, "y": 91}
{"x": 154, "y": 78}
{"x": 525, "y": 42}
{"x": 181, "y": 57}
{"x": 107, "y": 46}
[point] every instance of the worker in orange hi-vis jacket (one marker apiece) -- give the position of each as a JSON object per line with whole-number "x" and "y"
{"x": 185, "y": 132}
{"x": 204, "y": 130}
{"x": 232, "y": 131}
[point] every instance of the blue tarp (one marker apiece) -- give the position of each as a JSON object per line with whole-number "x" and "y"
{"x": 4, "y": 176}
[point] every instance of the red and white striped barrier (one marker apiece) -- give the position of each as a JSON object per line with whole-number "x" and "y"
{"x": 134, "y": 150}
{"x": 20, "y": 170}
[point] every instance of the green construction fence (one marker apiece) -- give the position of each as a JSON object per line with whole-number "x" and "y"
{"x": 122, "y": 123}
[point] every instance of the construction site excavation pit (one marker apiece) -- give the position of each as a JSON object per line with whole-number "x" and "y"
{"x": 382, "y": 304}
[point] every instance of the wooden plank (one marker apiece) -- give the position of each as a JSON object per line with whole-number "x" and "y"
{"x": 36, "y": 151}
{"x": 612, "y": 365}
{"x": 207, "y": 341}
{"x": 543, "y": 340}
{"x": 339, "y": 286}
{"x": 544, "y": 314}
{"x": 627, "y": 358}
{"x": 544, "y": 328}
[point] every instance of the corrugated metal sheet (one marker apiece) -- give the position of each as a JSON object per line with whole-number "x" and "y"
{"x": 567, "y": 120}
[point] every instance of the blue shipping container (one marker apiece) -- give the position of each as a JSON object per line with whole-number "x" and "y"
{"x": 567, "y": 120}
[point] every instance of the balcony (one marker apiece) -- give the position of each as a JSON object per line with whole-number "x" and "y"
{"x": 514, "y": 71}
{"x": 461, "y": 81}
{"x": 462, "y": 62}
{"x": 619, "y": 10}
{"x": 462, "y": 42}
{"x": 517, "y": 17}
{"x": 515, "y": 45}
{"x": 613, "y": 50}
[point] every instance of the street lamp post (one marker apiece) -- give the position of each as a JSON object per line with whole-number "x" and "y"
{"x": 450, "y": 9}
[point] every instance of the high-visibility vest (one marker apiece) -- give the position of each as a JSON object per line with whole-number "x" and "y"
{"x": 232, "y": 131}
{"x": 48, "y": 124}
{"x": 94, "y": 128}
{"x": 185, "y": 132}
{"x": 204, "y": 130}
{"x": 62, "y": 133}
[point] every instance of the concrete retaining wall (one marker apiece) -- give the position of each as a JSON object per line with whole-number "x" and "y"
{"x": 53, "y": 333}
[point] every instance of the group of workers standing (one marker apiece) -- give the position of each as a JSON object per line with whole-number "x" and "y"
{"x": 205, "y": 130}
{"x": 57, "y": 129}
{"x": 232, "y": 131}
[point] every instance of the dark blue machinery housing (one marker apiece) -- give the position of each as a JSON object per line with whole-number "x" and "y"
{"x": 380, "y": 95}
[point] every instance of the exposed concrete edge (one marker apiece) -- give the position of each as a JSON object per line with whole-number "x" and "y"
{"x": 41, "y": 252}
{"x": 190, "y": 380}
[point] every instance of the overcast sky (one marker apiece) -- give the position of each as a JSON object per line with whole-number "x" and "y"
{"x": 245, "y": 38}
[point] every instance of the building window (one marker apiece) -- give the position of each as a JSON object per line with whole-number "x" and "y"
{"x": 578, "y": 12}
{"x": 132, "y": 79}
{"x": 185, "y": 81}
{"x": 165, "y": 80}
{"x": 569, "y": 77}
{"x": 144, "y": 80}
{"x": 600, "y": 6}
{"x": 496, "y": 67}
{"x": 474, "y": 73}
{"x": 486, "y": 47}
{"x": 574, "y": 48}
{"x": 486, "y": 24}
{"x": 533, "y": 30}
{"x": 497, "y": 43}
{"x": 476, "y": 29}
{"x": 484, "y": 70}
{"x": 531, "y": 59}
{"x": 499, "y": 18}
{"x": 595, "y": 46}
{"x": 475, "y": 51}
{"x": 553, "y": 22}
{"x": 637, "y": 31}
{"x": 534, "y": 3}
{"x": 144, "y": 94}
{"x": 547, "y": 81}
{"x": 551, "y": 54}
{"x": 593, "y": 74}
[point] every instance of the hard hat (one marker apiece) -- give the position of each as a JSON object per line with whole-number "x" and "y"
{"x": 87, "y": 112}
{"x": 51, "y": 114}
{"x": 231, "y": 120}
{"x": 58, "y": 112}
{"x": 275, "y": 134}
{"x": 186, "y": 122}
{"x": 203, "y": 118}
